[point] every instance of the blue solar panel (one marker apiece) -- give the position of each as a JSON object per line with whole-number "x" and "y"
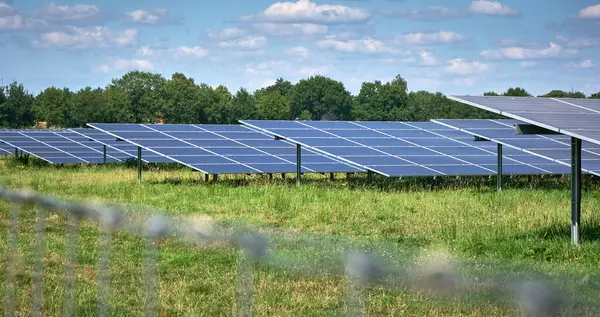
{"x": 575, "y": 117}
{"x": 6, "y": 149}
{"x": 545, "y": 148}
{"x": 222, "y": 149}
{"x": 395, "y": 148}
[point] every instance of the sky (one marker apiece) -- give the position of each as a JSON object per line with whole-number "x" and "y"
{"x": 454, "y": 47}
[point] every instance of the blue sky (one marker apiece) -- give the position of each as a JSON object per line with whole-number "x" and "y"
{"x": 456, "y": 47}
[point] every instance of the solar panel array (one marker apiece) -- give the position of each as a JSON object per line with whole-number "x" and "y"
{"x": 6, "y": 149}
{"x": 118, "y": 148}
{"x": 222, "y": 149}
{"x": 405, "y": 148}
{"x": 575, "y": 117}
{"x": 555, "y": 147}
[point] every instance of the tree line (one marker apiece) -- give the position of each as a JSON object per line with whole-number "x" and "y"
{"x": 146, "y": 97}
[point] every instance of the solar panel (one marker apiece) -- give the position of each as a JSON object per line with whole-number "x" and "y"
{"x": 117, "y": 148}
{"x": 403, "y": 148}
{"x": 6, "y": 149}
{"x": 554, "y": 148}
{"x": 579, "y": 118}
{"x": 223, "y": 149}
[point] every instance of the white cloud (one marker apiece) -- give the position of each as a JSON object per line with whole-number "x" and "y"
{"x": 591, "y": 12}
{"x": 517, "y": 53}
{"x": 491, "y": 8}
{"x": 269, "y": 69}
{"x": 365, "y": 46}
{"x": 464, "y": 67}
{"x": 281, "y": 29}
{"x": 431, "y": 13}
{"x": 305, "y": 11}
{"x": 430, "y": 38}
{"x": 526, "y": 64}
{"x": 67, "y": 13}
{"x": 249, "y": 42}
{"x": 225, "y": 34}
{"x": 81, "y": 38}
{"x": 299, "y": 51}
{"x": 194, "y": 52}
{"x": 156, "y": 16}
{"x": 14, "y": 22}
{"x": 427, "y": 59}
{"x": 125, "y": 64}
{"x": 6, "y": 10}
{"x": 310, "y": 71}
{"x": 578, "y": 43}
{"x": 587, "y": 63}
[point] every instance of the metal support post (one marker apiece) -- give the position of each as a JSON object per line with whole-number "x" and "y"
{"x": 499, "y": 168}
{"x": 104, "y": 153}
{"x": 206, "y": 178}
{"x": 282, "y": 175}
{"x": 298, "y": 163}
{"x": 575, "y": 189}
{"x": 16, "y": 153}
{"x": 369, "y": 176}
{"x": 215, "y": 177}
{"x": 331, "y": 176}
{"x": 139, "y": 164}
{"x": 348, "y": 175}
{"x": 270, "y": 177}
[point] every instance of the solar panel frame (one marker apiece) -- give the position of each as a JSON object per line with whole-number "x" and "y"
{"x": 560, "y": 153}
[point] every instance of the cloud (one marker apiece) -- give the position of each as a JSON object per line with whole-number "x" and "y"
{"x": 158, "y": 16}
{"x": 268, "y": 69}
{"x": 225, "y": 34}
{"x": 364, "y": 46}
{"x": 591, "y": 12}
{"x": 427, "y": 59}
{"x": 430, "y": 38}
{"x": 526, "y": 64}
{"x": 249, "y": 42}
{"x": 73, "y": 15}
{"x": 310, "y": 71}
{"x": 587, "y": 63}
{"x": 486, "y": 7}
{"x": 125, "y": 64}
{"x": 194, "y": 52}
{"x": 7, "y": 11}
{"x": 82, "y": 38}
{"x": 11, "y": 23}
{"x": 464, "y": 67}
{"x": 299, "y": 51}
{"x": 431, "y": 13}
{"x": 578, "y": 43}
{"x": 305, "y": 11}
{"x": 519, "y": 53}
{"x": 281, "y": 29}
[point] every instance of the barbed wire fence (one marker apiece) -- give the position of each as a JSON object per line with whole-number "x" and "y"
{"x": 437, "y": 277}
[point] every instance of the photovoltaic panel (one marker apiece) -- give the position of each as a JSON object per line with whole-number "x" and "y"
{"x": 6, "y": 149}
{"x": 223, "y": 149}
{"x": 117, "y": 148}
{"x": 555, "y": 148}
{"x": 402, "y": 148}
{"x": 576, "y": 117}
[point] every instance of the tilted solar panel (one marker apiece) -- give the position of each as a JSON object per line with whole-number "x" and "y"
{"x": 222, "y": 149}
{"x": 553, "y": 147}
{"x": 579, "y": 118}
{"x": 404, "y": 148}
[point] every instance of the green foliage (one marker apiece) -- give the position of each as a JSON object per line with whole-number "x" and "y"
{"x": 146, "y": 93}
{"x": 88, "y": 107}
{"x": 17, "y": 110}
{"x": 378, "y": 102}
{"x": 516, "y": 92}
{"x": 272, "y": 106}
{"x": 181, "y": 100}
{"x": 563, "y": 94}
{"x": 321, "y": 96}
{"x": 116, "y": 105}
{"x": 242, "y": 106}
{"x": 53, "y": 105}
{"x": 595, "y": 96}
{"x": 491, "y": 93}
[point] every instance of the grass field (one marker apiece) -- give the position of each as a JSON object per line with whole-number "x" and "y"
{"x": 525, "y": 227}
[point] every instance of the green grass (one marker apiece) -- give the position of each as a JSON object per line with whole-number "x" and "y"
{"x": 525, "y": 228}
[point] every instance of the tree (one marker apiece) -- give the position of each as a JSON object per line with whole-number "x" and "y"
{"x": 116, "y": 104}
{"x": 321, "y": 96}
{"x": 377, "y": 101}
{"x": 595, "y": 96}
{"x": 272, "y": 106}
{"x": 144, "y": 90}
{"x": 564, "y": 94}
{"x": 242, "y": 106}
{"x": 88, "y": 107}
{"x": 516, "y": 92}
{"x": 491, "y": 93}
{"x": 216, "y": 107}
{"x": 53, "y": 106}
{"x": 182, "y": 100}
{"x": 17, "y": 110}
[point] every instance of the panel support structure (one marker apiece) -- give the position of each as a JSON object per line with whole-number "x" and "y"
{"x": 104, "y": 156}
{"x": 499, "y": 168}
{"x": 575, "y": 189}
{"x": 331, "y": 176}
{"x": 369, "y": 176}
{"x": 139, "y": 164}
{"x": 298, "y": 163}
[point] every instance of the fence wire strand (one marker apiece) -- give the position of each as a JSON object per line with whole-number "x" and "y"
{"x": 300, "y": 255}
